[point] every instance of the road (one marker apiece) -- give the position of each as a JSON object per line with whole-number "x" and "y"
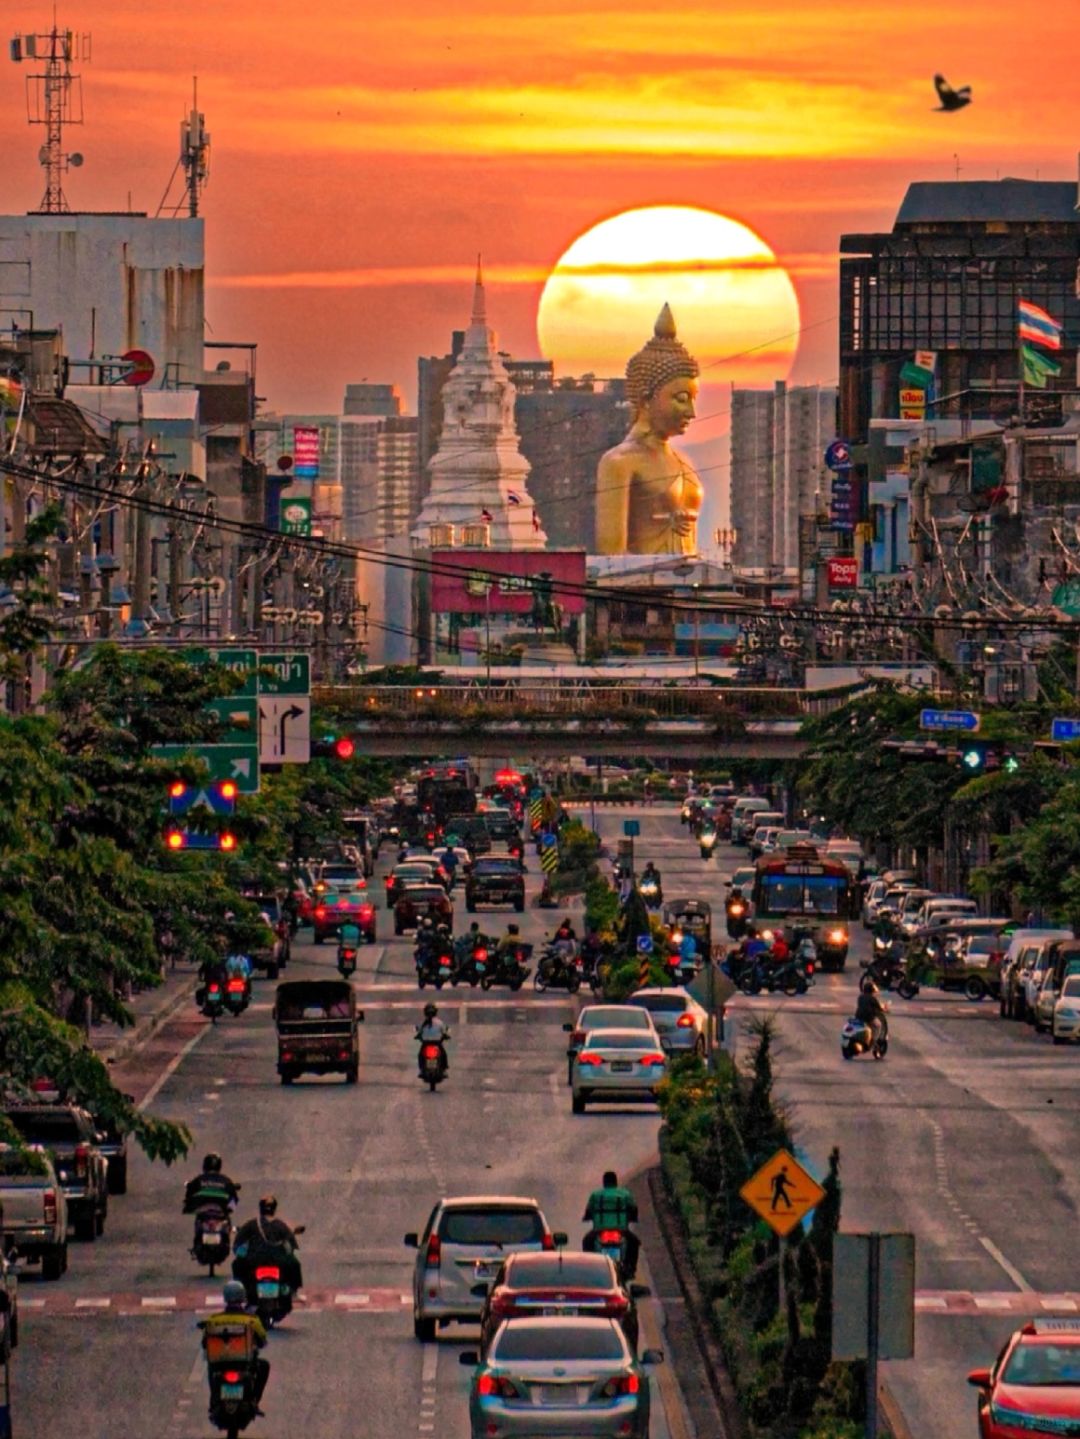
{"x": 111, "y": 1350}
{"x": 965, "y": 1135}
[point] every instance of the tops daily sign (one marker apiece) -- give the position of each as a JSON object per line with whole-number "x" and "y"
{"x": 843, "y": 572}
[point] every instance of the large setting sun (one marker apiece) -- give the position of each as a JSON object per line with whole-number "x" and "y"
{"x": 733, "y": 301}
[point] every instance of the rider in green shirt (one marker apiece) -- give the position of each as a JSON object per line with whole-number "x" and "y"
{"x": 613, "y": 1207}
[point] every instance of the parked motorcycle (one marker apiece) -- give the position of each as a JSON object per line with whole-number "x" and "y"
{"x": 858, "y": 1038}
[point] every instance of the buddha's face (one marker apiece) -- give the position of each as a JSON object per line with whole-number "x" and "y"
{"x": 671, "y": 408}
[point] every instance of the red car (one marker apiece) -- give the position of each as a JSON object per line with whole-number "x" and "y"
{"x": 531, "y": 1285}
{"x": 1034, "y": 1387}
{"x": 418, "y": 901}
{"x": 334, "y": 910}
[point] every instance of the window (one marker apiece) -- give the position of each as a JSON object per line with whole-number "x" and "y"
{"x": 612, "y": 1039}
{"x": 570, "y": 1342}
{"x": 659, "y": 1003}
{"x": 583, "y": 1271}
{"x": 491, "y": 1226}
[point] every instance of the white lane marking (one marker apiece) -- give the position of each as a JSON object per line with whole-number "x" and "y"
{"x": 31, "y": 1303}
{"x": 429, "y": 1370}
{"x": 352, "y": 1299}
{"x": 171, "y": 1068}
{"x": 92, "y": 1303}
{"x": 927, "y": 1301}
{"x": 165, "y": 1302}
{"x": 212, "y": 1095}
{"x": 211, "y": 1302}
{"x": 1059, "y": 1304}
{"x": 992, "y": 1301}
{"x": 1010, "y": 1269}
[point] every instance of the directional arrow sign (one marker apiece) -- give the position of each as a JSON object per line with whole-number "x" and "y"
{"x": 284, "y": 729}
{"x": 949, "y": 719}
{"x": 223, "y": 761}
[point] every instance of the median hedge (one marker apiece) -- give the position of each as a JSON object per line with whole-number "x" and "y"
{"x": 718, "y": 1130}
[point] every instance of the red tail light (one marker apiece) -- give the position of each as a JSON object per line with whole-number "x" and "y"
{"x": 589, "y": 1059}
{"x": 213, "y": 990}
{"x": 809, "y": 966}
{"x": 431, "y": 1051}
{"x": 389, "y": 881}
{"x": 495, "y": 1384}
{"x": 433, "y": 1257}
{"x": 652, "y": 1059}
{"x": 344, "y": 1054}
{"x": 348, "y": 954}
{"x": 49, "y": 1202}
{"x": 480, "y": 954}
{"x": 320, "y": 911}
{"x": 444, "y": 961}
{"x": 287, "y": 1056}
{"x": 548, "y": 1240}
{"x": 231, "y": 1376}
{"x": 623, "y": 1384}
{"x": 618, "y": 1304}
{"x": 235, "y": 986}
{"x": 82, "y": 1160}
{"x": 611, "y": 1236}
{"x": 268, "y": 1271}
{"x": 685, "y": 1021}
{"x": 366, "y": 911}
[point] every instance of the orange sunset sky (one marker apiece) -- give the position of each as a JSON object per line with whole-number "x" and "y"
{"x": 364, "y": 152}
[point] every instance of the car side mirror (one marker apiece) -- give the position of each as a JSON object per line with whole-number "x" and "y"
{"x": 568, "y": 1029}
{"x": 469, "y": 1357}
{"x": 980, "y": 1378}
{"x": 411, "y": 1240}
{"x": 640, "y": 1291}
{"x": 560, "y": 1239}
{"x": 653, "y": 1356}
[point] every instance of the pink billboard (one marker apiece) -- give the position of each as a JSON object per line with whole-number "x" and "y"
{"x": 506, "y": 581}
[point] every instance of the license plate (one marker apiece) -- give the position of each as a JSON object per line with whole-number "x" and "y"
{"x": 558, "y": 1394}
{"x": 232, "y": 1391}
{"x": 621, "y": 1066}
{"x": 212, "y": 1239}
{"x": 268, "y": 1289}
{"x": 550, "y": 1311}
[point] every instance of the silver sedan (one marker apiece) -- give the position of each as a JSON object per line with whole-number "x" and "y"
{"x": 569, "y": 1377}
{"x": 681, "y": 1023}
{"x": 617, "y": 1066}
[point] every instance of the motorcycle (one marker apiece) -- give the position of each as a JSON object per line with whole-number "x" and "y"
{"x": 882, "y": 972}
{"x": 612, "y": 1242}
{"x": 474, "y": 966}
{"x": 858, "y": 1038}
{"x": 436, "y": 967}
{"x": 508, "y": 967}
{"x": 237, "y": 994}
{"x": 232, "y": 1387}
{"x": 651, "y": 893}
{"x": 558, "y": 968}
{"x": 433, "y": 1063}
{"x": 213, "y": 1001}
{"x": 213, "y": 1236}
{"x": 707, "y": 842}
{"x": 737, "y": 918}
{"x": 346, "y": 960}
{"x": 273, "y": 1298}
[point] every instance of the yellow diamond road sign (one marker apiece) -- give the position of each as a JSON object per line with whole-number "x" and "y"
{"x": 782, "y": 1192}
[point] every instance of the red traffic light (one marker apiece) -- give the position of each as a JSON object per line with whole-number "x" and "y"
{"x": 344, "y": 748}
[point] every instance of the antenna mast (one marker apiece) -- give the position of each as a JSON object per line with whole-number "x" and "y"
{"x": 53, "y": 99}
{"x": 194, "y": 152}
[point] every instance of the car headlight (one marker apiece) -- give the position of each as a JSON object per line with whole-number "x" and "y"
{"x": 837, "y": 936}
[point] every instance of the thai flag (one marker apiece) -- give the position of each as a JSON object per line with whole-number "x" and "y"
{"x": 512, "y": 498}
{"x": 1036, "y": 325}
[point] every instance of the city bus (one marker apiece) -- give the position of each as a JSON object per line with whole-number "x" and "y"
{"x": 804, "y": 891}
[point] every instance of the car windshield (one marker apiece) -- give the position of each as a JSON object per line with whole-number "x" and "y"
{"x": 1044, "y": 1364}
{"x": 801, "y": 894}
{"x": 1071, "y": 987}
{"x": 612, "y": 1019}
{"x": 422, "y": 894}
{"x": 412, "y": 871}
{"x": 551, "y": 1342}
{"x": 544, "y": 1271}
{"x": 491, "y": 1226}
{"x": 497, "y": 866}
{"x": 610, "y": 1039}
{"x": 340, "y": 871}
{"x": 659, "y": 1003}
{"x": 53, "y": 1127}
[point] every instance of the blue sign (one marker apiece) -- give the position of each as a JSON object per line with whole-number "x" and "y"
{"x": 1065, "y": 730}
{"x": 838, "y": 456}
{"x": 842, "y": 503}
{"x": 631, "y": 828}
{"x": 193, "y": 797}
{"x": 548, "y": 840}
{"x": 949, "y": 719}
{"x": 644, "y": 944}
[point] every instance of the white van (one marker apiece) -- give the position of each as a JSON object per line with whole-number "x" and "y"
{"x": 746, "y": 807}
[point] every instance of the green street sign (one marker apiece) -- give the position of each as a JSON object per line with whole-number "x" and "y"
{"x": 1066, "y": 597}
{"x": 239, "y": 716}
{"x": 239, "y": 762}
{"x": 243, "y": 663}
{"x": 284, "y": 674}
{"x": 296, "y": 515}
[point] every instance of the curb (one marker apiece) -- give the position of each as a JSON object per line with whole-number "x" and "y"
{"x": 712, "y": 1358}
{"x": 891, "y": 1412}
{"x": 145, "y": 1029}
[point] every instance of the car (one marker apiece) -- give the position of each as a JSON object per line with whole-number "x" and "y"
{"x": 1065, "y": 1021}
{"x": 875, "y": 893}
{"x": 1046, "y": 1001}
{"x": 461, "y": 1249}
{"x": 276, "y": 950}
{"x": 495, "y": 879}
{"x": 470, "y": 831}
{"x": 68, "y": 1134}
{"x": 1023, "y": 947}
{"x": 565, "y": 1283}
{"x": 417, "y": 901}
{"x": 342, "y": 875}
{"x": 763, "y": 840}
{"x": 943, "y": 910}
{"x": 847, "y": 851}
{"x": 681, "y": 1023}
{"x": 617, "y": 1066}
{"x": 1032, "y": 980}
{"x": 1034, "y": 1385}
{"x": 605, "y": 1016}
{"x": 408, "y": 872}
{"x": 559, "y": 1376}
{"x": 9, "y": 1307}
{"x": 911, "y": 902}
{"x": 334, "y": 910}
{"x": 743, "y": 878}
{"x": 33, "y": 1209}
{"x": 501, "y": 826}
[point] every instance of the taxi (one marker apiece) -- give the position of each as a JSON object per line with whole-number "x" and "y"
{"x": 1034, "y": 1386}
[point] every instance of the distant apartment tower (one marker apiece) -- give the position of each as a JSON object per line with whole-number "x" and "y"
{"x": 778, "y": 441}
{"x": 379, "y": 471}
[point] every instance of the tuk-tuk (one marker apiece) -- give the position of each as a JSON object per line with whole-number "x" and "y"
{"x": 317, "y": 1029}
{"x": 692, "y": 916}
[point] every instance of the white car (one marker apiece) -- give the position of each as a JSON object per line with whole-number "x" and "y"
{"x": 605, "y": 1016}
{"x": 617, "y": 1066}
{"x": 682, "y": 1023}
{"x": 1046, "y": 1001}
{"x": 1065, "y": 1024}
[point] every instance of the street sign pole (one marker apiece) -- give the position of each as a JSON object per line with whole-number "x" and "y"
{"x": 873, "y": 1334}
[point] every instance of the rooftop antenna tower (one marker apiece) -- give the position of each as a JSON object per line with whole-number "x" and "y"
{"x": 53, "y": 99}
{"x": 194, "y": 160}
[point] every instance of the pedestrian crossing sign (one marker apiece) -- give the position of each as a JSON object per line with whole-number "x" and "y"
{"x": 782, "y": 1192}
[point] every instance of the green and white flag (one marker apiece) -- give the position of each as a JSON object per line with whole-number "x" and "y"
{"x": 1038, "y": 368}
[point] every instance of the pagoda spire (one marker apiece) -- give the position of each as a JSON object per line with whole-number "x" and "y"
{"x": 479, "y": 304}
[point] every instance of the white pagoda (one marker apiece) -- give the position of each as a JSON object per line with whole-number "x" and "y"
{"x": 478, "y": 474}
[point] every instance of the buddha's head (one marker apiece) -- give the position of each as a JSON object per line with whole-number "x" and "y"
{"x": 661, "y": 380}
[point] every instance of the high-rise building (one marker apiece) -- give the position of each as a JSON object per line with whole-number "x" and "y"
{"x": 778, "y": 442}
{"x": 379, "y": 477}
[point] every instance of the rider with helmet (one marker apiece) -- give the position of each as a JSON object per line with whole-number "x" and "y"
{"x": 233, "y": 1315}
{"x": 267, "y": 1232}
{"x": 870, "y": 1010}
{"x": 431, "y": 1030}
{"x": 209, "y": 1187}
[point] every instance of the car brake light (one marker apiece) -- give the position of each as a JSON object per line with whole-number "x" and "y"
{"x": 82, "y": 1160}
{"x": 495, "y": 1384}
{"x": 652, "y": 1059}
{"x": 231, "y": 1376}
{"x": 593, "y": 1060}
{"x": 685, "y": 1021}
{"x": 320, "y": 911}
{"x": 268, "y": 1271}
{"x": 49, "y": 1201}
{"x": 622, "y": 1384}
{"x": 366, "y": 911}
{"x": 618, "y": 1304}
{"x": 433, "y": 1258}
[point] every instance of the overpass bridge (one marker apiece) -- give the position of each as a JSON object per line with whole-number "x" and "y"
{"x": 551, "y": 719}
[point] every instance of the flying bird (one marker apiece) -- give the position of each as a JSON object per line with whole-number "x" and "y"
{"x": 951, "y": 99}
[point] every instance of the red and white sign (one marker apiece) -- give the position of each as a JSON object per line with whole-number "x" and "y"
{"x": 305, "y": 451}
{"x": 843, "y": 573}
{"x": 506, "y": 581}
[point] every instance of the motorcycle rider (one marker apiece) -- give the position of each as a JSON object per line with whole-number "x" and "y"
{"x": 735, "y": 910}
{"x": 425, "y": 941}
{"x": 432, "y": 1030}
{"x": 566, "y": 933}
{"x": 466, "y": 943}
{"x": 264, "y": 1232}
{"x": 871, "y": 1011}
{"x": 613, "y": 1207}
{"x": 210, "y": 1186}
{"x": 650, "y": 874}
{"x": 234, "y": 1298}
{"x": 506, "y": 952}
{"x": 211, "y": 971}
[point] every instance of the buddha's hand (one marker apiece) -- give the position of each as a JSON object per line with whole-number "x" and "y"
{"x": 683, "y": 522}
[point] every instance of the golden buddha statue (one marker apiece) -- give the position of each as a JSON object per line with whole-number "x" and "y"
{"x": 648, "y": 495}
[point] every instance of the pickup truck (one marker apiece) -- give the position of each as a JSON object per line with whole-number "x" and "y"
{"x": 68, "y": 1133}
{"x": 34, "y": 1208}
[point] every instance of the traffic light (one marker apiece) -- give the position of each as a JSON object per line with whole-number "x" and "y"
{"x": 333, "y": 746}
{"x": 986, "y": 757}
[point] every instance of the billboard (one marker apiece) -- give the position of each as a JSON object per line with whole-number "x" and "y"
{"x": 843, "y": 572}
{"x": 507, "y": 582}
{"x": 306, "y": 452}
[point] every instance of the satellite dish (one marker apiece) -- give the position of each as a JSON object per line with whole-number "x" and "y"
{"x": 75, "y": 161}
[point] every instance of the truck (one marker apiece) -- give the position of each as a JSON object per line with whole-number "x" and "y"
{"x": 69, "y": 1135}
{"x": 34, "y": 1208}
